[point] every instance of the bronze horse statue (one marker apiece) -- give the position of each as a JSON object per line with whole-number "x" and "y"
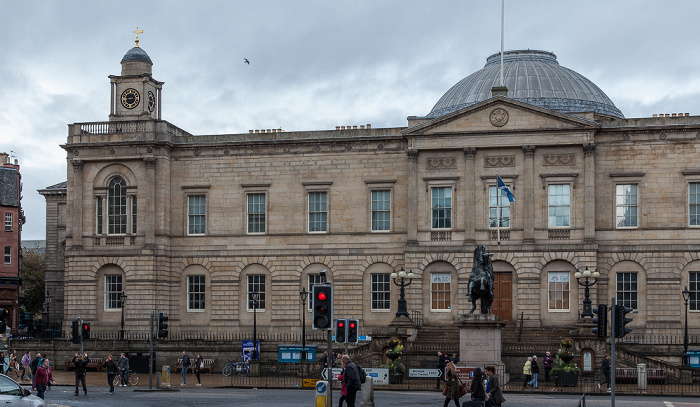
{"x": 481, "y": 280}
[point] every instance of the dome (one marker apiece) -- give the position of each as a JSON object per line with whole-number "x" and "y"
{"x": 137, "y": 54}
{"x": 533, "y": 77}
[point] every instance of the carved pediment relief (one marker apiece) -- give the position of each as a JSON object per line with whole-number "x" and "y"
{"x": 439, "y": 163}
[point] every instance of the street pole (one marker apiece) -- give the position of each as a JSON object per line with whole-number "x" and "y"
{"x": 612, "y": 353}
{"x": 686, "y": 297}
{"x": 150, "y": 357}
{"x": 304, "y": 295}
{"x": 329, "y": 400}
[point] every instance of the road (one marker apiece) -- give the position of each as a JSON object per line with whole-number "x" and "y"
{"x": 61, "y": 396}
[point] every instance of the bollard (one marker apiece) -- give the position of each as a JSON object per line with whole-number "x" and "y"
{"x": 165, "y": 377}
{"x": 321, "y": 393}
{"x": 641, "y": 376}
{"x": 367, "y": 393}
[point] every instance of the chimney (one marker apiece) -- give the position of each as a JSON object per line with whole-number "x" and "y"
{"x": 499, "y": 91}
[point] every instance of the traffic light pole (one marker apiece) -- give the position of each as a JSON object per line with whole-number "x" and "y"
{"x": 82, "y": 352}
{"x": 612, "y": 353}
{"x": 150, "y": 356}
{"x": 329, "y": 400}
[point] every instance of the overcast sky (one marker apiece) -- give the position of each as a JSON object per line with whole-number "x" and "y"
{"x": 314, "y": 64}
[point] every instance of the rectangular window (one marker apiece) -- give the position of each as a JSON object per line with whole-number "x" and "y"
{"x": 8, "y": 254}
{"x": 99, "y": 216}
{"x": 318, "y": 211}
{"x": 256, "y": 213}
{"x": 8, "y": 221}
{"x": 441, "y": 204}
{"x": 627, "y": 289}
{"x": 693, "y": 204}
{"x": 440, "y": 291}
{"x": 626, "y": 206}
{"x": 559, "y": 206}
{"x": 499, "y": 208}
{"x": 694, "y": 288}
{"x": 381, "y": 211}
{"x": 256, "y": 284}
{"x": 134, "y": 212}
{"x": 195, "y": 292}
{"x": 558, "y": 290}
{"x": 381, "y": 294}
{"x": 313, "y": 280}
{"x": 196, "y": 214}
{"x": 113, "y": 290}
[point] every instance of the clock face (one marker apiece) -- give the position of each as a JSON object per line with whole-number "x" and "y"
{"x": 151, "y": 101}
{"x": 130, "y": 98}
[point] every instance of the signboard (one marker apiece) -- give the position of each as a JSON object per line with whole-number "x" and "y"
{"x": 336, "y": 372}
{"x": 379, "y": 375}
{"x": 248, "y": 349}
{"x": 292, "y": 353}
{"x": 465, "y": 373}
{"x": 424, "y": 373}
{"x": 309, "y": 382}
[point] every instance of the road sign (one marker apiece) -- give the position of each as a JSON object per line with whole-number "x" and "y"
{"x": 336, "y": 372}
{"x": 380, "y": 376}
{"x": 465, "y": 373}
{"x": 364, "y": 338}
{"x": 424, "y": 373}
{"x": 309, "y": 383}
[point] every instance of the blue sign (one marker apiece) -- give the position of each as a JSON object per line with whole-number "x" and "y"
{"x": 247, "y": 350}
{"x": 292, "y": 353}
{"x": 320, "y": 387}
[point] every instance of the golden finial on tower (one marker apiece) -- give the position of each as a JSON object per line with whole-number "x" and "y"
{"x": 137, "y": 32}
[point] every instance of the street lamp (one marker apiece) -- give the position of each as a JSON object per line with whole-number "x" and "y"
{"x": 304, "y": 295}
{"x": 587, "y": 310}
{"x": 402, "y": 312}
{"x": 686, "y": 297}
{"x": 47, "y": 304}
{"x": 255, "y": 296}
{"x": 122, "y": 302}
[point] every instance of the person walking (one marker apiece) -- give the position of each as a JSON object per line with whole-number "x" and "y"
{"x": 80, "y": 363}
{"x": 343, "y": 389}
{"x": 123, "y": 369}
{"x": 26, "y": 362}
{"x": 112, "y": 370}
{"x": 442, "y": 362}
{"x": 605, "y": 367}
{"x": 477, "y": 386}
{"x": 185, "y": 366}
{"x": 2, "y": 363}
{"x": 351, "y": 379}
{"x": 535, "y": 369}
{"x": 14, "y": 367}
{"x": 494, "y": 395}
{"x": 33, "y": 366}
{"x": 547, "y": 363}
{"x": 198, "y": 364}
{"x": 42, "y": 378}
{"x": 451, "y": 391}
{"x": 527, "y": 372}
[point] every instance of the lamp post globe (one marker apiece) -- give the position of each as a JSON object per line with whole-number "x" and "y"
{"x": 122, "y": 302}
{"x": 404, "y": 281}
{"x": 686, "y": 297}
{"x": 586, "y": 275}
{"x": 255, "y": 296}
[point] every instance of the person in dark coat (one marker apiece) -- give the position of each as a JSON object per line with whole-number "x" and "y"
{"x": 112, "y": 370}
{"x": 452, "y": 391}
{"x": 535, "y": 370}
{"x": 80, "y": 363}
{"x": 547, "y": 363}
{"x": 442, "y": 362}
{"x": 477, "y": 387}
{"x": 123, "y": 369}
{"x": 494, "y": 395}
{"x": 605, "y": 367}
{"x": 351, "y": 379}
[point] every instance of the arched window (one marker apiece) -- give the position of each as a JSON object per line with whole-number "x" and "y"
{"x": 116, "y": 206}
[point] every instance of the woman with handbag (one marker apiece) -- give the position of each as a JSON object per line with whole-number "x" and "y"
{"x": 451, "y": 390}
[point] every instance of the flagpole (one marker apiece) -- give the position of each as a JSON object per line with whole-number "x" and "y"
{"x": 502, "y": 24}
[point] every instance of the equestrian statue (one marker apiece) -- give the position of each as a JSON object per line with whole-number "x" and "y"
{"x": 481, "y": 280}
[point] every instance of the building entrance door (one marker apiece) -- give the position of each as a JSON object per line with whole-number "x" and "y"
{"x": 502, "y": 305}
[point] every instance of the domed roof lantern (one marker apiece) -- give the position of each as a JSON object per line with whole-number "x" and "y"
{"x": 136, "y": 61}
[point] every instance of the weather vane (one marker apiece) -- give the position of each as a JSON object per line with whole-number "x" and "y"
{"x": 137, "y": 32}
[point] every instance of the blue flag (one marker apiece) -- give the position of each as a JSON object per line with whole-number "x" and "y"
{"x": 505, "y": 189}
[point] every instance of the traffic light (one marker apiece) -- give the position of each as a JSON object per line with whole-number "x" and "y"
{"x": 86, "y": 330}
{"x": 75, "y": 336}
{"x": 621, "y": 321}
{"x": 353, "y": 328}
{"x": 162, "y": 330}
{"x": 341, "y": 333}
{"x": 602, "y": 320}
{"x": 322, "y": 304}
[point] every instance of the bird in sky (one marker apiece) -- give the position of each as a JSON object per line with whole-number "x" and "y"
{"x": 246, "y": 61}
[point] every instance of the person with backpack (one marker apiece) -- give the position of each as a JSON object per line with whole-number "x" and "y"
{"x": 451, "y": 390}
{"x": 352, "y": 380}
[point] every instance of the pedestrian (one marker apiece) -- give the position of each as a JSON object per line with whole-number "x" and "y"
{"x": 42, "y": 378}
{"x": 26, "y": 362}
{"x": 14, "y": 366}
{"x": 324, "y": 360}
{"x": 442, "y": 362}
{"x": 605, "y": 367}
{"x": 185, "y": 366}
{"x": 477, "y": 387}
{"x": 527, "y": 372}
{"x": 2, "y": 363}
{"x": 343, "y": 389}
{"x": 80, "y": 363}
{"x": 494, "y": 395}
{"x": 198, "y": 363}
{"x": 547, "y": 363}
{"x": 455, "y": 358}
{"x": 351, "y": 379}
{"x": 535, "y": 369}
{"x": 112, "y": 370}
{"x": 33, "y": 366}
{"x": 451, "y": 390}
{"x": 123, "y": 369}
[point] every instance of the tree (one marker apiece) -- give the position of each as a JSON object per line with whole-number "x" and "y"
{"x": 32, "y": 271}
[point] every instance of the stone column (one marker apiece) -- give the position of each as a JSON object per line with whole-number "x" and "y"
{"x": 469, "y": 194}
{"x": 150, "y": 219}
{"x": 528, "y": 209}
{"x": 77, "y": 203}
{"x": 412, "y": 199}
{"x": 589, "y": 192}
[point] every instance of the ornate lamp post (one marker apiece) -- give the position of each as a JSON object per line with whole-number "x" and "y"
{"x": 255, "y": 296}
{"x": 304, "y": 295}
{"x": 405, "y": 282}
{"x": 686, "y": 297}
{"x": 122, "y": 302}
{"x": 587, "y": 310}
{"x": 47, "y": 304}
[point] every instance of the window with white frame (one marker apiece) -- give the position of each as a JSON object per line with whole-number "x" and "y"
{"x": 8, "y": 221}
{"x": 116, "y": 206}
{"x": 558, "y": 290}
{"x": 626, "y": 205}
{"x": 499, "y": 208}
{"x": 693, "y": 204}
{"x": 196, "y": 214}
{"x": 318, "y": 211}
{"x": 256, "y": 213}
{"x": 8, "y": 254}
{"x": 441, "y": 204}
{"x": 196, "y": 286}
{"x": 440, "y": 291}
{"x": 559, "y": 206}
{"x": 256, "y": 284}
{"x": 381, "y": 210}
{"x": 694, "y": 288}
{"x": 313, "y": 279}
{"x": 627, "y": 290}
{"x": 113, "y": 290}
{"x": 381, "y": 291}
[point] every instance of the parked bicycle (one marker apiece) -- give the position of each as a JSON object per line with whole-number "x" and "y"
{"x": 133, "y": 379}
{"x": 241, "y": 368}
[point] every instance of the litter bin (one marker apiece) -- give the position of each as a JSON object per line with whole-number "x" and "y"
{"x": 642, "y": 376}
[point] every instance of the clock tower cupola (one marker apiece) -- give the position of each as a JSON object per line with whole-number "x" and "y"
{"x": 135, "y": 95}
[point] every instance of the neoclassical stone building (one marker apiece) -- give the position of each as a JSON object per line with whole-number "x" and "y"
{"x": 192, "y": 224}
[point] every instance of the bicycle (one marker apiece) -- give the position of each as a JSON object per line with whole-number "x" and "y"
{"x": 133, "y": 379}
{"x": 241, "y": 368}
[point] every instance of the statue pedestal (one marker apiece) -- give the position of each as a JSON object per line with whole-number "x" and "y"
{"x": 480, "y": 342}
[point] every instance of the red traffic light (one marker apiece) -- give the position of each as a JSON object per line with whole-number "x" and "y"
{"x": 352, "y": 325}
{"x": 340, "y": 324}
{"x": 322, "y": 296}
{"x": 85, "y": 327}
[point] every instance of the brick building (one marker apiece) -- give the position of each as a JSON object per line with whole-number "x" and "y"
{"x": 10, "y": 239}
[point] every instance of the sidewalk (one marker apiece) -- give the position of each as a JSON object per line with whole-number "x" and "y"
{"x": 99, "y": 379}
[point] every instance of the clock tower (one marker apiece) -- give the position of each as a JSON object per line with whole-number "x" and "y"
{"x": 135, "y": 95}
